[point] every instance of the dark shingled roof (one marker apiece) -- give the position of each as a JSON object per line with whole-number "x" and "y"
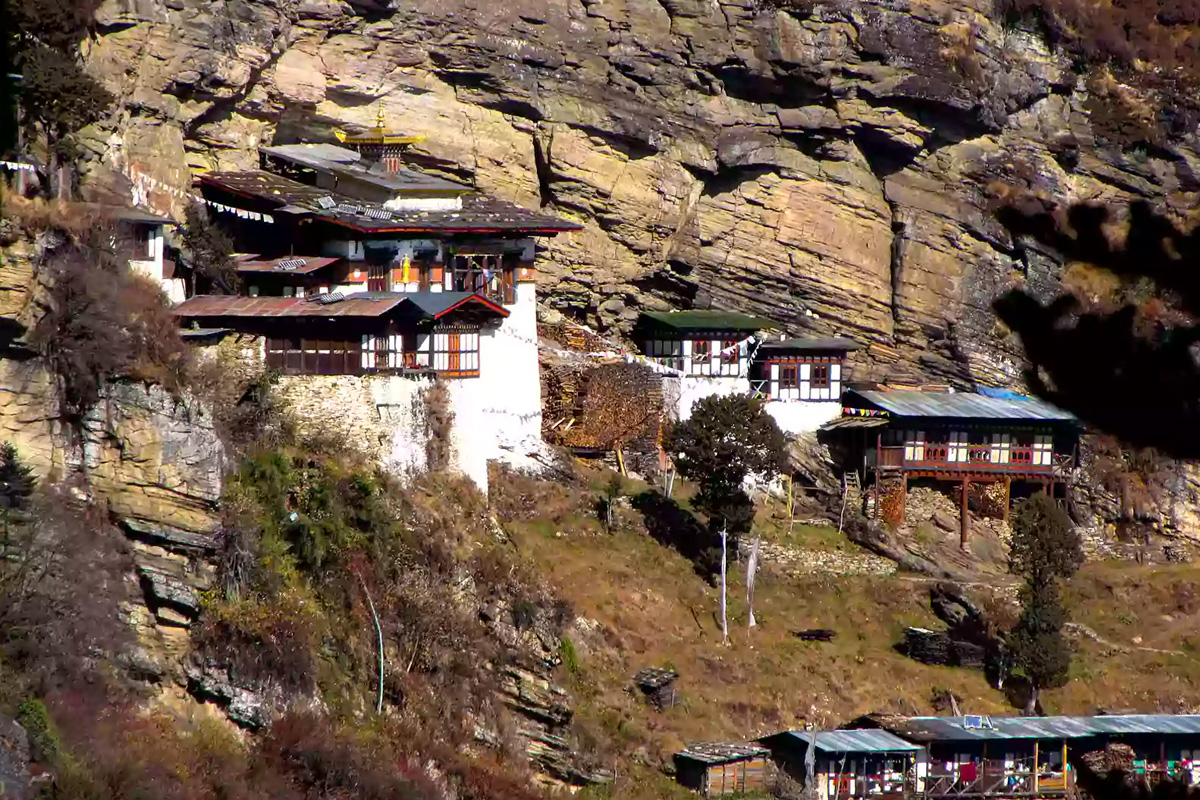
{"x": 479, "y": 214}
{"x": 437, "y": 304}
{"x": 809, "y": 345}
{"x": 341, "y": 161}
{"x": 702, "y": 320}
{"x": 959, "y": 405}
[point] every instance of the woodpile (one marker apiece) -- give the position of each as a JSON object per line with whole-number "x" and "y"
{"x": 816, "y": 635}
{"x": 658, "y": 686}
{"x": 894, "y": 497}
{"x": 598, "y": 408}
{"x": 940, "y": 649}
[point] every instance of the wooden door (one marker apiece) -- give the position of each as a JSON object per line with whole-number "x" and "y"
{"x": 454, "y": 347}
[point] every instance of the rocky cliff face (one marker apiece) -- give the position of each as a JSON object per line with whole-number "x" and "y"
{"x": 824, "y": 163}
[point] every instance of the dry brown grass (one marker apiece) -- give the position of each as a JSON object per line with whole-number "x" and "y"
{"x": 645, "y": 606}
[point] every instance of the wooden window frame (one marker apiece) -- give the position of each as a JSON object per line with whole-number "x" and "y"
{"x": 701, "y": 350}
{"x": 728, "y": 355}
{"x": 468, "y": 274}
{"x": 789, "y": 376}
{"x": 300, "y": 356}
{"x": 819, "y": 376}
{"x": 455, "y": 351}
{"x": 378, "y": 277}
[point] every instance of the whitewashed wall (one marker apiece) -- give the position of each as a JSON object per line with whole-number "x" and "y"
{"x": 802, "y": 417}
{"x": 681, "y": 393}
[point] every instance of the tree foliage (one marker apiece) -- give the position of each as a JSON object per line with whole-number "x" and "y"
{"x": 56, "y": 95}
{"x": 1045, "y": 550}
{"x": 725, "y": 441}
{"x": 1036, "y": 642}
{"x": 1045, "y": 544}
{"x": 208, "y": 250}
{"x": 102, "y": 322}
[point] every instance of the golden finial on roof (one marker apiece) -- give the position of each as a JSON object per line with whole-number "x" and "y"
{"x": 379, "y": 119}
{"x": 379, "y": 135}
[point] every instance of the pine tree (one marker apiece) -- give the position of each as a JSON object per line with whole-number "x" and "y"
{"x": 725, "y": 441}
{"x": 1036, "y": 642}
{"x": 1045, "y": 550}
{"x": 17, "y": 484}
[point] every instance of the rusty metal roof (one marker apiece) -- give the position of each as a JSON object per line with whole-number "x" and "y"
{"x": 354, "y": 305}
{"x": 286, "y": 265}
{"x": 933, "y": 729}
{"x": 430, "y": 305}
{"x": 721, "y": 752}
{"x": 959, "y": 405}
{"x": 479, "y": 214}
{"x": 848, "y": 741}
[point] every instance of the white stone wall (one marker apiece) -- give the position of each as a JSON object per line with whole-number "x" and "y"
{"x": 802, "y": 417}
{"x": 681, "y": 393}
{"x": 498, "y": 416}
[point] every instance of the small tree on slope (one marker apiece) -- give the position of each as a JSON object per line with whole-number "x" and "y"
{"x": 725, "y": 441}
{"x": 1045, "y": 549}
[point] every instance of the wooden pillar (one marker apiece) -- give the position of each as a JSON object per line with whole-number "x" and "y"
{"x": 1007, "y": 496}
{"x": 964, "y": 514}
{"x": 1035, "y": 766}
{"x": 878, "y": 498}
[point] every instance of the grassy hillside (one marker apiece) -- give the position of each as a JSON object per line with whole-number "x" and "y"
{"x": 642, "y": 604}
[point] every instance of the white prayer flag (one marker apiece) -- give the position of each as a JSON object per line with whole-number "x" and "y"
{"x": 751, "y": 569}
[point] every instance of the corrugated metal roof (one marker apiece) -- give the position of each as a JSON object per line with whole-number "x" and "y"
{"x": 810, "y": 345}
{"x": 722, "y": 752}
{"x": 704, "y": 320}
{"x": 361, "y": 304}
{"x": 301, "y": 264}
{"x": 960, "y": 405}
{"x": 848, "y": 741}
{"x": 932, "y": 729}
{"x": 213, "y": 305}
{"x": 855, "y": 422}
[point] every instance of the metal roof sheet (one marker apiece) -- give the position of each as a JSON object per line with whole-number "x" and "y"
{"x": 722, "y": 752}
{"x": 706, "y": 320}
{"x": 809, "y": 345}
{"x": 855, "y": 422}
{"x": 932, "y": 729}
{"x": 959, "y": 405}
{"x": 848, "y": 741}
{"x": 344, "y": 162}
{"x": 215, "y": 305}
{"x": 309, "y": 264}
{"x": 360, "y": 304}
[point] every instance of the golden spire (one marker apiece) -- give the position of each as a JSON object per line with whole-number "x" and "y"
{"x": 379, "y": 135}
{"x": 379, "y": 119}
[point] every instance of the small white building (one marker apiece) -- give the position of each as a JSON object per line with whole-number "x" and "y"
{"x": 801, "y": 380}
{"x": 706, "y": 353}
{"x": 146, "y": 234}
{"x": 702, "y": 353}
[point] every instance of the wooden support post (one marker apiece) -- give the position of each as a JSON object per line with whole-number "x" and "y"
{"x": 878, "y": 498}
{"x": 1035, "y": 766}
{"x": 1007, "y": 496}
{"x": 1065, "y": 768}
{"x": 964, "y": 514}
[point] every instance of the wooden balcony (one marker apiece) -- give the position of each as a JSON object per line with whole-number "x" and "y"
{"x": 980, "y": 459}
{"x": 997, "y": 781}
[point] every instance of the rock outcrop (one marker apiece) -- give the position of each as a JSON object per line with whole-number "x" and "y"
{"x": 822, "y": 163}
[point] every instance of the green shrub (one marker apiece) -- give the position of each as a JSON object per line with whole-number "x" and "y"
{"x": 43, "y": 736}
{"x": 570, "y": 658}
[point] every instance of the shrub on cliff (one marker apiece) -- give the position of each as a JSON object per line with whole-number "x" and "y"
{"x": 207, "y": 249}
{"x": 101, "y": 322}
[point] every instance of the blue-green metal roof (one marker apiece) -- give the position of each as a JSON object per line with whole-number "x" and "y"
{"x": 847, "y": 741}
{"x": 960, "y": 405}
{"x": 933, "y": 729}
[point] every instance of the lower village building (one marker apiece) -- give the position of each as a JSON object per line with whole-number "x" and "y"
{"x": 954, "y": 758}
{"x": 889, "y": 439}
